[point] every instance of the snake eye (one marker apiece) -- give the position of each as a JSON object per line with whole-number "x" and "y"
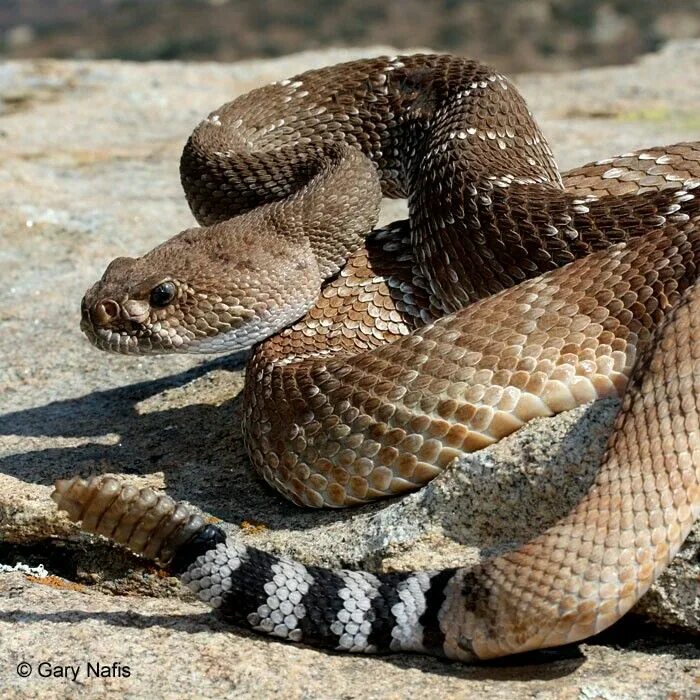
{"x": 163, "y": 294}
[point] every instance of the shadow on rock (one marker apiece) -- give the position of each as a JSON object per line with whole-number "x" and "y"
{"x": 192, "y": 624}
{"x": 196, "y": 445}
{"x": 545, "y": 665}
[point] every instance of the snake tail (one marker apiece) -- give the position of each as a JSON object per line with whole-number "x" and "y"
{"x": 339, "y": 609}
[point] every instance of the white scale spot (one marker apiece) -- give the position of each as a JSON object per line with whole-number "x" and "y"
{"x": 279, "y": 615}
{"x": 210, "y": 575}
{"x": 407, "y": 634}
{"x": 352, "y": 624}
{"x": 614, "y": 173}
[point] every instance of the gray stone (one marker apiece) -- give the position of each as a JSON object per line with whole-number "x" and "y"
{"x": 89, "y": 172}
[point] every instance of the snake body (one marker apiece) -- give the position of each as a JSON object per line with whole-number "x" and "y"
{"x": 510, "y": 293}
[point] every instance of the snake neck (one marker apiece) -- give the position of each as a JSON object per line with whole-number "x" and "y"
{"x": 408, "y": 116}
{"x": 335, "y": 218}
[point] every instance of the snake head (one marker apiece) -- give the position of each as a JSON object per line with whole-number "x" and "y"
{"x": 221, "y": 288}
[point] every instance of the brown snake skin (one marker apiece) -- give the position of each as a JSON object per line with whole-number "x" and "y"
{"x": 404, "y": 360}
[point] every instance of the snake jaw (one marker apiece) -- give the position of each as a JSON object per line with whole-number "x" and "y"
{"x": 124, "y": 327}
{"x": 115, "y": 342}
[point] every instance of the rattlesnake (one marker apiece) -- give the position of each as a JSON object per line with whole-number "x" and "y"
{"x": 429, "y": 338}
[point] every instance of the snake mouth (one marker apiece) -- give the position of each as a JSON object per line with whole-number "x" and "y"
{"x": 128, "y": 338}
{"x": 120, "y": 342}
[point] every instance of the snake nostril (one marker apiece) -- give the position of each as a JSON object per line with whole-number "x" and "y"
{"x": 105, "y": 312}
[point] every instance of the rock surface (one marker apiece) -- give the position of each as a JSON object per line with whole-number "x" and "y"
{"x": 89, "y": 172}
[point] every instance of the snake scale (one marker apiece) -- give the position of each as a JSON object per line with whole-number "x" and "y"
{"x": 511, "y": 292}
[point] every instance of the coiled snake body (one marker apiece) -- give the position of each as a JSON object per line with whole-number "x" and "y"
{"x": 508, "y": 294}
